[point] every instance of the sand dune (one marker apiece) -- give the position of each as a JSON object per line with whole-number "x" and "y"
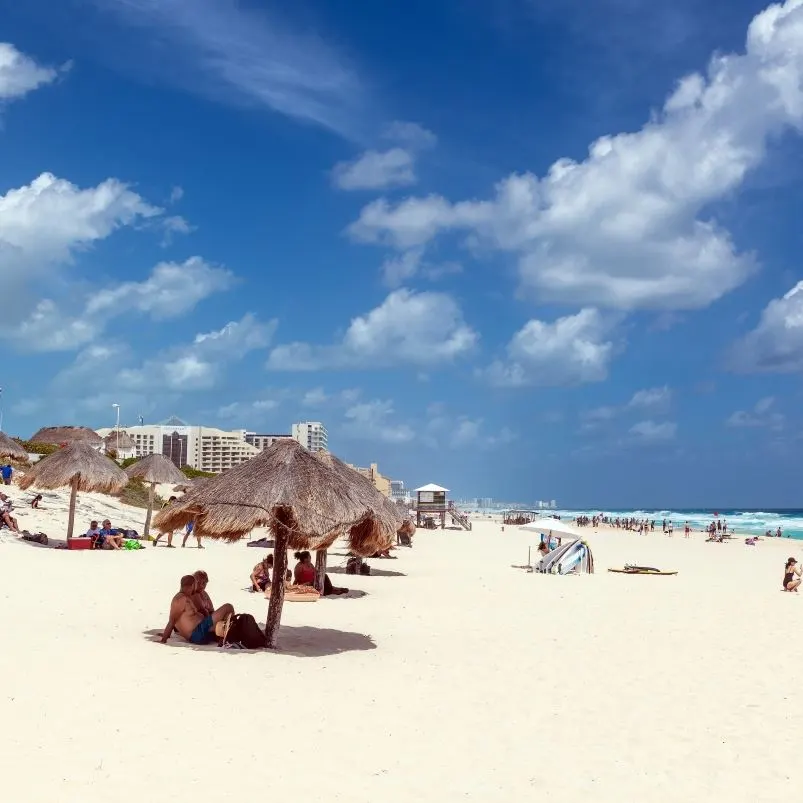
{"x": 454, "y": 677}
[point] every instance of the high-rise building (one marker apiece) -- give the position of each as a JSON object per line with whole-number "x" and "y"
{"x": 263, "y": 441}
{"x": 203, "y": 448}
{"x": 311, "y": 434}
{"x": 382, "y": 484}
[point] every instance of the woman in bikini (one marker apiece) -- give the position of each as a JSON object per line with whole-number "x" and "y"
{"x": 789, "y": 572}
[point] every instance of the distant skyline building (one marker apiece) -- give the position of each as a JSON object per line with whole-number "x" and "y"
{"x": 311, "y": 434}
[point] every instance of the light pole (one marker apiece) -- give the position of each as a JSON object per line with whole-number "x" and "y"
{"x": 117, "y": 427}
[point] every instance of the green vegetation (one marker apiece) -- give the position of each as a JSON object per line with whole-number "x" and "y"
{"x": 33, "y": 447}
{"x": 136, "y": 495}
{"x": 194, "y": 473}
{"x": 129, "y": 461}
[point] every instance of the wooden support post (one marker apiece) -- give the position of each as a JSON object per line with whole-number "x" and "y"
{"x": 320, "y": 570}
{"x": 148, "y": 515}
{"x": 73, "y": 494}
{"x": 277, "y": 586}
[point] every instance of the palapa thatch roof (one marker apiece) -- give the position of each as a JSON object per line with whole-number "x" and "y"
{"x": 59, "y": 435}
{"x": 11, "y": 449}
{"x": 155, "y": 468}
{"x": 189, "y": 485}
{"x": 95, "y": 472}
{"x": 372, "y": 498}
{"x": 287, "y": 489}
{"x": 125, "y": 441}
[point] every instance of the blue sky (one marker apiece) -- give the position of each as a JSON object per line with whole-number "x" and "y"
{"x": 520, "y": 250}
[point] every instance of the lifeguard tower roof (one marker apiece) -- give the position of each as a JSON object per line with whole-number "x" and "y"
{"x": 432, "y": 487}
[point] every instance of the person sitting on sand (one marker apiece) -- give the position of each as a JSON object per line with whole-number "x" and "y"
{"x": 110, "y": 537}
{"x": 543, "y": 548}
{"x": 304, "y": 575}
{"x": 790, "y": 570}
{"x": 5, "y": 514}
{"x": 260, "y": 577}
{"x": 200, "y": 597}
{"x": 35, "y": 501}
{"x": 192, "y": 624}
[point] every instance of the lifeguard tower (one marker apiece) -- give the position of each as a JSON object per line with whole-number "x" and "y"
{"x": 431, "y": 503}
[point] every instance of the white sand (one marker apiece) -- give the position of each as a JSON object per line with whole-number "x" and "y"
{"x": 461, "y": 679}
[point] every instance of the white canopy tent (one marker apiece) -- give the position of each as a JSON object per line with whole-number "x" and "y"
{"x": 548, "y": 526}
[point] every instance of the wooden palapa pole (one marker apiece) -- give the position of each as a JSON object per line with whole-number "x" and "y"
{"x": 73, "y": 494}
{"x": 277, "y": 584}
{"x": 320, "y": 570}
{"x": 148, "y": 515}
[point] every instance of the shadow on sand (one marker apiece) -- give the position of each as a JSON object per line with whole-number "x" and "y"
{"x": 374, "y": 571}
{"x": 304, "y": 642}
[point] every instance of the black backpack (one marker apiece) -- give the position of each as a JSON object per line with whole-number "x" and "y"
{"x": 245, "y": 630}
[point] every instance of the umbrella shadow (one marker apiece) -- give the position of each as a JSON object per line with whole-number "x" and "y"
{"x": 353, "y": 593}
{"x": 303, "y": 642}
{"x": 374, "y": 571}
{"x": 154, "y": 636}
{"x": 318, "y": 642}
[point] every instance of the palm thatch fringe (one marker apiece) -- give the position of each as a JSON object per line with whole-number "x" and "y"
{"x": 155, "y": 468}
{"x": 60, "y": 435}
{"x": 11, "y": 449}
{"x": 81, "y": 467}
{"x": 152, "y": 469}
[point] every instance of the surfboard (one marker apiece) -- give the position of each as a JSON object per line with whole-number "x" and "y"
{"x": 641, "y": 570}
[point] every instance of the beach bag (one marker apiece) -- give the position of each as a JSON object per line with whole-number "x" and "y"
{"x": 365, "y": 569}
{"x": 352, "y": 565}
{"x": 243, "y": 629}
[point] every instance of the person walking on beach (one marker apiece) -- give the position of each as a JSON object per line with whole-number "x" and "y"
{"x": 188, "y": 532}
{"x": 7, "y": 472}
{"x": 169, "y": 535}
{"x": 789, "y": 582}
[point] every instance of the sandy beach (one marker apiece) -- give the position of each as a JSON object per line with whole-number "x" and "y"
{"x": 448, "y": 675}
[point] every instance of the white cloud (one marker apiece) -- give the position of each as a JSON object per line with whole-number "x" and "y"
{"x": 314, "y": 398}
{"x": 176, "y": 194}
{"x": 243, "y": 56}
{"x": 572, "y": 350}
{"x": 375, "y": 170}
{"x": 374, "y": 421}
{"x": 395, "y": 167}
{"x": 408, "y": 327}
{"x": 400, "y": 268}
{"x": 171, "y": 290}
{"x": 653, "y": 432}
{"x": 776, "y": 344}
{"x": 200, "y": 364}
{"x": 761, "y": 416}
{"x": 651, "y": 398}
{"x": 632, "y": 225}
{"x": 47, "y": 220}
{"x": 20, "y": 74}
{"x": 248, "y": 411}
{"x": 461, "y": 431}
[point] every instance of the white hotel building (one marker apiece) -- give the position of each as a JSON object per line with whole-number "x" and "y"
{"x": 202, "y": 448}
{"x": 211, "y": 449}
{"x": 311, "y": 434}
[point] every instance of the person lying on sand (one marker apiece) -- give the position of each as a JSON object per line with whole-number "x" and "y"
{"x": 192, "y": 624}
{"x": 790, "y": 570}
{"x": 305, "y": 575}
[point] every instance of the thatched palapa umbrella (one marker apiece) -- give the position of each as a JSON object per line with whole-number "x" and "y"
{"x": 11, "y": 449}
{"x": 81, "y": 467}
{"x": 305, "y": 503}
{"x": 358, "y": 543}
{"x": 58, "y": 436}
{"x": 152, "y": 469}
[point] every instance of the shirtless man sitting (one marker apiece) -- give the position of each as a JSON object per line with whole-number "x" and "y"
{"x": 194, "y": 625}
{"x": 201, "y": 599}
